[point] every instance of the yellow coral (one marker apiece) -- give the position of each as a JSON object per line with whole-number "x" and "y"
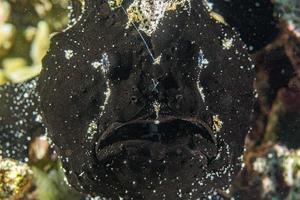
{"x": 15, "y": 179}
{"x": 2, "y": 81}
{"x": 17, "y": 70}
{"x": 7, "y": 36}
{"x": 5, "y": 11}
{"x": 41, "y": 43}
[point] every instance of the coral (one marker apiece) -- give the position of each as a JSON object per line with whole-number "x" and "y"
{"x": 15, "y": 179}
{"x": 272, "y": 157}
{"x": 289, "y": 10}
{"x": 25, "y": 35}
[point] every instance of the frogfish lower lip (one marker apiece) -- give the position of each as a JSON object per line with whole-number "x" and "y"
{"x": 168, "y": 134}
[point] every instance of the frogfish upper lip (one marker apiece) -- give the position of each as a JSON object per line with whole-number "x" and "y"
{"x": 163, "y": 131}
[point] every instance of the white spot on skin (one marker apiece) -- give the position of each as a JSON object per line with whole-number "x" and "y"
{"x": 113, "y": 4}
{"x": 96, "y": 64}
{"x": 107, "y": 94}
{"x": 157, "y": 60}
{"x": 149, "y": 13}
{"x": 103, "y": 64}
{"x": 38, "y": 118}
{"x": 202, "y": 64}
{"x": 208, "y": 5}
{"x": 156, "y": 107}
{"x": 69, "y": 54}
{"x": 227, "y": 43}
{"x": 92, "y": 130}
{"x": 200, "y": 90}
{"x": 81, "y": 174}
{"x": 202, "y": 61}
{"x": 217, "y": 123}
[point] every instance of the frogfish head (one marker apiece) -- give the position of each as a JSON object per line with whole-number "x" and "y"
{"x": 148, "y": 100}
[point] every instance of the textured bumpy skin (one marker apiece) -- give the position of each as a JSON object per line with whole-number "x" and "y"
{"x": 19, "y": 119}
{"x": 99, "y": 75}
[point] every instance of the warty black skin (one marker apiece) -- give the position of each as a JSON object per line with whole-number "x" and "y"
{"x": 74, "y": 96}
{"x": 20, "y": 119}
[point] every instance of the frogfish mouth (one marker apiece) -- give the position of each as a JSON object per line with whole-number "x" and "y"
{"x": 148, "y": 100}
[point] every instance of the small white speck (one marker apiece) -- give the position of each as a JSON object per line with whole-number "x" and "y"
{"x": 69, "y": 54}
{"x": 227, "y": 43}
